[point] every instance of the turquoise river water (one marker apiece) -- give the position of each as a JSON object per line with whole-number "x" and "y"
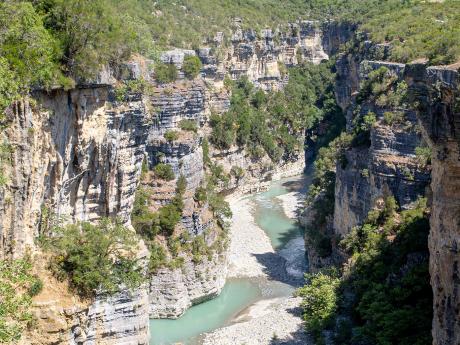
{"x": 238, "y": 294}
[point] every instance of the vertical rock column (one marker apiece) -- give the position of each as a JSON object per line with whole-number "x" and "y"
{"x": 438, "y": 93}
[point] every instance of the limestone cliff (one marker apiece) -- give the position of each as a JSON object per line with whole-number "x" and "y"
{"x": 437, "y": 90}
{"x": 77, "y": 154}
{"x": 388, "y": 164}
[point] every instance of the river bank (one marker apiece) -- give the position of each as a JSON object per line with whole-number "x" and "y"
{"x": 251, "y": 255}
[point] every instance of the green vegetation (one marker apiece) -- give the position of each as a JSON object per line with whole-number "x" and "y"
{"x": 319, "y": 301}
{"x": 384, "y": 291}
{"x": 94, "y": 258}
{"x": 137, "y": 86}
{"x": 274, "y": 123}
{"x": 165, "y": 73}
{"x": 415, "y": 28}
{"x": 185, "y": 23}
{"x": 191, "y": 66}
{"x": 188, "y": 125}
{"x": 164, "y": 171}
{"x": 393, "y": 117}
{"x": 17, "y": 287}
{"x": 171, "y": 136}
{"x": 321, "y": 197}
{"x": 423, "y": 154}
{"x": 147, "y": 223}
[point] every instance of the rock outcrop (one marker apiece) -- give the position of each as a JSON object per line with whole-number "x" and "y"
{"x": 79, "y": 155}
{"x": 173, "y": 291}
{"x": 387, "y": 166}
{"x": 438, "y": 93}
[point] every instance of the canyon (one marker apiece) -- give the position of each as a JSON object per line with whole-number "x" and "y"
{"x": 79, "y": 155}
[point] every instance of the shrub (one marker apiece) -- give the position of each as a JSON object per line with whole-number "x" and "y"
{"x": 171, "y": 136}
{"x": 181, "y": 185}
{"x": 423, "y": 154}
{"x": 144, "y": 221}
{"x": 200, "y": 195}
{"x": 164, "y": 171}
{"x": 158, "y": 257}
{"x": 238, "y": 172}
{"x": 393, "y": 117}
{"x": 95, "y": 257}
{"x": 17, "y": 286}
{"x": 165, "y": 73}
{"x": 192, "y": 66}
{"x": 205, "y": 148}
{"x": 169, "y": 216}
{"x": 36, "y": 287}
{"x": 319, "y": 300}
{"x": 188, "y": 125}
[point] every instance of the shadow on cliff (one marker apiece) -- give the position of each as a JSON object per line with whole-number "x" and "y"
{"x": 274, "y": 267}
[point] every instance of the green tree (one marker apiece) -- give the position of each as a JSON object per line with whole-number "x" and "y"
{"x": 90, "y": 34}
{"x": 319, "y": 300}
{"x": 192, "y": 66}
{"x": 164, "y": 172}
{"x": 27, "y": 52}
{"x": 95, "y": 257}
{"x": 171, "y": 136}
{"x": 165, "y": 73}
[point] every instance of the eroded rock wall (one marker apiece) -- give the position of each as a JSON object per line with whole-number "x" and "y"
{"x": 78, "y": 155}
{"x": 437, "y": 91}
{"x": 386, "y": 166}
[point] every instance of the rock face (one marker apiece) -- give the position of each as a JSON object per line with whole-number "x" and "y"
{"x": 80, "y": 158}
{"x": 437, "y": 89}
{"x": 262, "y": 56}
{"x": 392, "y": 170}
{"x": 172, "y": 292}
{"x": 119, "y": 319}
{"x": 387, "y": 167}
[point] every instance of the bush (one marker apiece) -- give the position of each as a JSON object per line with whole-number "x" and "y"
{"x": 36, "y": 287}
{"x": 144, "y": 221}
{"x": 423, "y": 154}
{"x": 93, "y": 258}
{"x": 164, "y": 172}
{"x": 165, "y": 73}
{"x": 171, "y": 136}
{"x": 188, "y": 125}
{"x": 181, "y": 185}
{"x": 200, "y": 195}
{"x": 393, "y": 117}
{"x": 169, "y": 216}
{"x": 17, "y": 286}
{"x": 192, "y": 66}
{"x": 205, "y": 148}
{"x": 158, "y": 257}
{"x": 319, "y": 300}
{"x": 238, "y": 172}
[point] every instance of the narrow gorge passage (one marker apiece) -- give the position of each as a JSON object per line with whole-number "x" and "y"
{"x": 261, "y": 279}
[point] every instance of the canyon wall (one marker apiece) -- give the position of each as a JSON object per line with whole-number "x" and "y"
{"x": 388, "y": 165}
{"x": 437, "y": 90}
{"x": 77, "y": 156}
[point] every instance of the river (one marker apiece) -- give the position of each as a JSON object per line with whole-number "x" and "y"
{"x": 243, "y": 292}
